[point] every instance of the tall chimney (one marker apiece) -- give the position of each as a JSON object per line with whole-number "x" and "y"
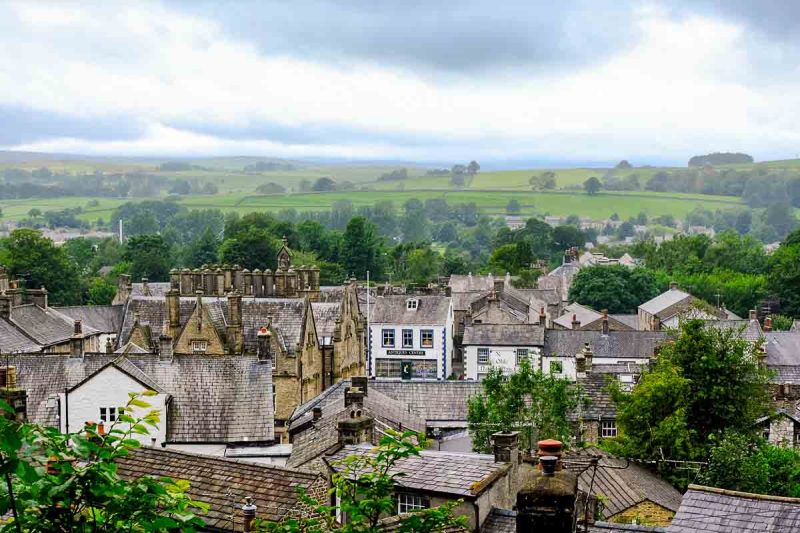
{"x": 583, "y": 360}
{"x": 506, "y": 447}
{"x": 605, "y": 321}
{"x": 76, "y": 341}
{"x": 542, "y": 317}
{"x": 576, "y": 324}
{"x": 248, "y": 515}
{"x": 673, "y": 285}
{"x": 146, "y": 286}
{"x": 39, "y": 297}
{"x": 173, "y": 312}
{"x": 753, "y": 314}
{"x": 165, "y": 350}
{"x": 768, "y": 324}
{"x": 263, "y": 339}
{"x": 546, "y": 500}
{"x": 109, "y": 345}
{"x": 234, "y": 329}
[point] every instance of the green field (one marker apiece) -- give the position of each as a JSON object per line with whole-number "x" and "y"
{"x": 489, "y": 190}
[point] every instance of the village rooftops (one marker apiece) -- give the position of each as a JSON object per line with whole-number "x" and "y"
{"x": 395, "y": 309}
{"x": 614, "y": 345}
{"x": 13, "y": 340}
{"x": 439, "y": 403}
{"x": 103, "y": 318}
{"x": 224, "y": 483}
{"x": 470, "y": 283}
{"x": 504, "y": 335}
{"x": 46, "y": 326}
{"x": 664, "y": 301}
{"x": 505, "y": 521}
{"x": 466, "y": 475}
{"x": 713, "y": 510}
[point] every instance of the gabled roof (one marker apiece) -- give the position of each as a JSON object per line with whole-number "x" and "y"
{"x": 431, "y": 310}
{"x": 13, "y": 340}
{"x": 624, "y": 485}
{"x": 103, "y": 318}
{"x": 325, "y": 315}
{"x": 749, "y": 330}
{"x": 434, "y": 401}
{"x": 222, "y": 399}
{"x": 130, "y": 348}
{"x": 466, "y": 475}
{"x": 470, "y": 283}
{"x": 663, "y": 301}
{"x": 713, "y": 510}
{"x": 581, "y": 313}
{"x": 616, "y": 344}
{"x": 126, "y": 367}
{"x": 783, "y": 348}
{"x": 45, "y": 325}
{"x": 218, "y": 481}
{"x": 504, "y": 335}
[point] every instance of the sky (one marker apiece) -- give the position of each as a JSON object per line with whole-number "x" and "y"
{"x": 506, "y": 83}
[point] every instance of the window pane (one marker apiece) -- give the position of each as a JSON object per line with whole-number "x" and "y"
{"x": 483, "y": 356}
{"x": 426, "y": 338}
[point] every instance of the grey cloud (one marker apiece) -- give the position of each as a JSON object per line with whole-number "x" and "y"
{"x": 469, "y": 36}
{"x": 20, "y": 125}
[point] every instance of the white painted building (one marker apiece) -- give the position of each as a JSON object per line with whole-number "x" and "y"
{"x": 500, "y": 345}
{"x": 410, "y": 337}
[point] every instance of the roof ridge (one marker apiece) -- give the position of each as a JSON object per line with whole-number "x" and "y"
{"x": 266, "y": 466}
{"x": 740, "y": 494}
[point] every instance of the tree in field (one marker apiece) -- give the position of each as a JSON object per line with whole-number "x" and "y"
{"x": 513, "y": 207}
{"x": 65, "y": 483}
{"x": 361, "y": 249}
{"x": 36, "y": 260}
{"x": 324, "y": 184}
{"x": 592, "y": 186}
{"x": 704, "y": 383}
{"x": 544, "y": 181}
{"x": 473, "y": 168}
{"x": 528, "y": 401}
{"x": 149, "y": 257}
{"x": 364, "y": 485}
{"x": 614, "y": 287}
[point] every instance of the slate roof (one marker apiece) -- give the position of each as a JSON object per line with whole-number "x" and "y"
{"x": 311, "y": 441}
{"x": 46, "y": 326}
{"x": 431, "y": 400}
{"x": 706, "y": 509}
{"x": 504, "y": 335}
{"x": 470, "y": 283}
{"x": 154, "y": 288}
{"x": 325, "y": 315}
{"x": 221, "y": 482}
{"x": 632, "y": 321}
{"x": 783, "y": 348}
{"x": 431, "y": 310}
{"x": 582, "y": 313}
{"x": 463, "y": 300}
{"x": 616, "y": 344}
{"x": 548, "y": 296}
{"x": 598, "y": 405}
{"x": 13, "y": 340}
{"x": 214, "y": 398}
{"x": 749, "y": 330}
{"x": 505, "y": 521}
{"x": 623, "y": 487}
{"x": 466, "y": 475}
{"x": 103, "y": 318}
{"x": 663, "y": 301}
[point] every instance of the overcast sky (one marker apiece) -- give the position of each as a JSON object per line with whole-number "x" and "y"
{"x": 427, "y": 80}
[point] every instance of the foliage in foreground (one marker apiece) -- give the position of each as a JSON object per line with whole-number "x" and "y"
{"x": 66, "y": 483}
{"x": 364, "y": 487}
{"x": 528, "y": 401}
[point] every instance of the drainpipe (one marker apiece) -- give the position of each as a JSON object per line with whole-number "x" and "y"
{"x": 66, "y": 410}
{"x": 477, "y": 516}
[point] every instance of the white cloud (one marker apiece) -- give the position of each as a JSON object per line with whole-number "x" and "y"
{"x": 673, "y": 94}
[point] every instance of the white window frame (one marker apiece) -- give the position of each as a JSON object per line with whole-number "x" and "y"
{"x": 608, "y": 429}
{"x": 422, "y": 334}
{"x": 522, "y": 353}
{"x": 483, "y": 356}
{"x": 410, "y": 333}
{"x": 199, "y": 347}
{"x": 386, "y": 333}
{"x": 412, "y": 304}
{"x": 408, "y": 503}
{"x": 109, "y": 414}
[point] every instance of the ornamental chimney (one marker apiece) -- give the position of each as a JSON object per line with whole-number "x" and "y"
{"x": 546, "y": 501}
{"x": 576, "y": 324}
{"x": 768, "y": 324}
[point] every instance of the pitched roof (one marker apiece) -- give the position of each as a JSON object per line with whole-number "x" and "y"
{"x": 783, "y": 348}
{"x": 214, "y": 398}
{"x": 616, "y": 344}
{"x": 749, "y": 330}
{"x": 431, "y": 310}
{"x": 125, "y": 366}
{"x": 582, "y": 313}
{"x": 598, "y": 403}
{"x": 325, "y": 315}
{"x": 45, "y": 326}
{"x": 431, "y": 400}
{"x": 466, "y": 475}
{"x": 504, "y": 335}
{"x": 706, "y": 509}
{"x": 154, "y": 288}
{"x": 103, "y": 318}
{"x": 623, "y": 485}
{"x": 505, "y": 521}
{"x": 13, "y": 340}
{"x": 632, "y": 321}
{"x": 470, "y": 283}
{"x": 663, "y": 301}
{"x": 223, "y": 482}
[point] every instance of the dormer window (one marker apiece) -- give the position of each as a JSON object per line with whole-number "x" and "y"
{"x": 411, "y": 304}
{"x": 199, "y": 347}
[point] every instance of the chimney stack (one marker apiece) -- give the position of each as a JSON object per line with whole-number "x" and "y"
{"x": 316, "y": 413}
{"x": 583, "y": 361}
{"x": 506, "y": 447}
{"x": 165, "y": 351}
{"x": 605, "y": 321}
{"x": 235, "y": 331}
{"x": 546, "y": 501}
{"x": 768, "y": 324}
{"x": 39, "y": 297}
{"x": 264, "y": 348}
{"x": 173, "y": 312}
{"x": 576, "y": 324}
{"x": 248, "y": 514}
{"x": 5, "y": 306}
{"x": 356, "y": 429}
{"x": 355, "y": 393}
{"x": 542, "y": 317}
{"x": 673, "y": 285}
{"x": 109, "y": 345}
{"x": 11, "y": 394}
{"x": 753, "y": 314}
{"x": 76, "y": 341}
{"x": 146, "y": 286}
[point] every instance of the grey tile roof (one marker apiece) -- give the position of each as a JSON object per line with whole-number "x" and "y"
{"x": 311, "y": 441}
{"x": 393, "y": 310}
{"x": 214, "y": 398}
{"x": 582, "y": 313}
{"x": 104, "y": 318}
{"x": 548, "y": 296}
{"x": 504, "y": 335}
{"x": 786, "y": 374}
{"x": 664, "y": 300}
{"x": 622, "y": 487}
{"x": 749, "y": 330}
{"x": 632, "y": 321}
{"x": 470, "y": 283}
{"x": 783, "y": 348}
{"x": 609, "y": 527}
{"x": 462, "y": 474}
{"x": 223, "y": 482}
{"x": 617, "y": 344}
{"x": 463, "y": 300}
{"x": 154, "y": 288}
{"x": 505, "y": 521}
{"x": 714, "y": 510}
{"x": 13, "y": 340}
{"x": 325, "y": 315}
{"x": 45, "y": 326}
{"x": 598, "y": 404}
{"x": 431, "y": 400}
